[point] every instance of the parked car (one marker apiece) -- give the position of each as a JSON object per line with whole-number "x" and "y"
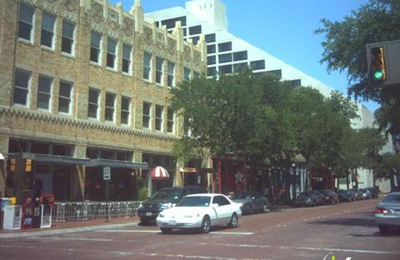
{"x": 374, "y": 192}
{"x": 309, "y": 198}
{"x": 331, "y": 197}
{"x": 164, "y": 199}
{"x": 251, "y": 202}
{"x": 366, "y": 194}
{"x": 200, "y": 212}
{"x": 346, "y": 195}
{"x": 387, "y": 213}
{"x": 358, "y": 194}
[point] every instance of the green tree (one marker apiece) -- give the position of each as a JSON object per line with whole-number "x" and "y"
{"x": 219, "y": 112}
{"x": 345, "y": 51}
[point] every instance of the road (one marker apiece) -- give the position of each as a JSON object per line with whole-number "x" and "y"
{"x": 346, "y": 230}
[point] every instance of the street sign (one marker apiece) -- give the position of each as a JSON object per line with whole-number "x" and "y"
{"x": 106, "y": 173}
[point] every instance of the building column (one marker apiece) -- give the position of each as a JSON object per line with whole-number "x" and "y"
{"x": 3, "y": 156}
{"x": 78, "y": 176}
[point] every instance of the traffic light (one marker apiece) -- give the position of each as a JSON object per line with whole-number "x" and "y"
{"x": 13, "y": 165}
{"x": 28, "y": 165}
{"x": 378, "y": 64}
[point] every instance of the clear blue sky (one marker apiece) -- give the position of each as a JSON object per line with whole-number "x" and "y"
{"x": 283, "y": 28}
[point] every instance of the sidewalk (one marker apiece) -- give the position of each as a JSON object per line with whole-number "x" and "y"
{"x": 71, "y": 227}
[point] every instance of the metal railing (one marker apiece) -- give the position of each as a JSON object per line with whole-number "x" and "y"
{"x": 74, "y": 211}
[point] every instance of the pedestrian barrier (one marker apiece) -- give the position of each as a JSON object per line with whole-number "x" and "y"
{"x": 87, "y": 210}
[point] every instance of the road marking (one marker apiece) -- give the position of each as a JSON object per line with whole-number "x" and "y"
{"x": 158, "y": 231}
{"x": 127, "y": 231}
{"x": 76, "y": 239}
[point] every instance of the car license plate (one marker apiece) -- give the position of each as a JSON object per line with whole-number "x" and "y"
{"x": 172, "y": 222}
{"x": 148, "y": 214}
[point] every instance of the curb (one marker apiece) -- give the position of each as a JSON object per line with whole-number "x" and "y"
{"x": 65, "y": 230}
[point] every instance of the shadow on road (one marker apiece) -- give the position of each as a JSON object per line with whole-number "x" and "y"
{"x": 346, "y": 222}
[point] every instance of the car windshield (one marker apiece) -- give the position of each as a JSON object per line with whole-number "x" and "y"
{"x": 392, "y": 198}
{"x": 196, "y": 201}
{"x": 172, "y": 194}
{"x": 242, "y": 195}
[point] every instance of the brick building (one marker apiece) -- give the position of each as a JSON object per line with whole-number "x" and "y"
{"x": 85, "y": 85}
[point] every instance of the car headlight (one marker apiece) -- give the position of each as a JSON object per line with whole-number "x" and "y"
{"x": 165, "y": 206}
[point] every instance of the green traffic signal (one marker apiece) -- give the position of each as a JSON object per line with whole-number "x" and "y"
{"x": 378, "y": 75}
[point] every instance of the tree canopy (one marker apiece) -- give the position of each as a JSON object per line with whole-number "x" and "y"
{"x": 345, "y": 51}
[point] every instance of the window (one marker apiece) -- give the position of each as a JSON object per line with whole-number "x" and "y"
{"x": 210, "y": 37}
{"x": 25, "y": 25}
{"x": 21, "y": 88}
{"x": 111, "y": 52}
{"x": 226, "y": 46}
{"x": 94, "y": 95}
{"x": 67, "y": 40}
{"x": 295, "y": 82}
{"x": 110, "y": 106}
{"x": 170, "y": 120}
{"x": 125, "y": 110}
{"x": 225, "y": 69}
{"x": 225, "y": 57}
{"x": 211, "y": 48}
{"x": 240, "y": 55}
{"x": 195, "y": 30}
{"x": 257, "y": 65}
{"x": 95, "y": 44}
{"x": 44, "y": 92}
{"x": 277, "y": 73}
{"x": 171, "y": 74}
{"x": 159, "y": 114}
{"x": 65, "y": 97}
{"x": 146, "y": 114}
{"x": 47, "y": 37}
{"x": 170, "y": 23}
{"x": 211, "y": 60}
{"x": 186, "y": 74}
{"x": 211, "y": 71}
{"x": 159, "y": 70}
{"x": 146, "y": 66}
{"x": 240, "y": 66}
{"x": 126, "y": 58}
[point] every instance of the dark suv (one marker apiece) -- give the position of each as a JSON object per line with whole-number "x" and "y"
{"x": 163, "y": 199}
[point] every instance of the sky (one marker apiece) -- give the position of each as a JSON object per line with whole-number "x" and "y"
{"x": 282, "y": 28}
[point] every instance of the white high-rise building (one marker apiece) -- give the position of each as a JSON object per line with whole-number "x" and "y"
{"x": 227, "y": 53}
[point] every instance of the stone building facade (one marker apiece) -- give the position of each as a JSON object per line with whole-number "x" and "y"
{"x": 85, "y": 85}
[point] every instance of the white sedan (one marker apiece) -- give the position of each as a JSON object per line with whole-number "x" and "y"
{"x": 200, "y": 211}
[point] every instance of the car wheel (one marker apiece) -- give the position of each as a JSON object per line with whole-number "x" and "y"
{"x": 384, "y": 229}
{"x": 234, "y": 221}
{"x": 165, "y": 230}
{"x": 205, "y": 225}
{"x": 264, "y": 208}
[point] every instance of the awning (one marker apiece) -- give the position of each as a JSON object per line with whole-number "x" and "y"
{"x": 159, "y": 173}
{"x": 67, "y": 160}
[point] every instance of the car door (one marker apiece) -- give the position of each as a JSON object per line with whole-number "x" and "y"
{"x": 257, "y": 201}
{"x": 223, "y": 210}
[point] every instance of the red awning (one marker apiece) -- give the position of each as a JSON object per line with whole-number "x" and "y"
{"x": 159, "y": 173}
